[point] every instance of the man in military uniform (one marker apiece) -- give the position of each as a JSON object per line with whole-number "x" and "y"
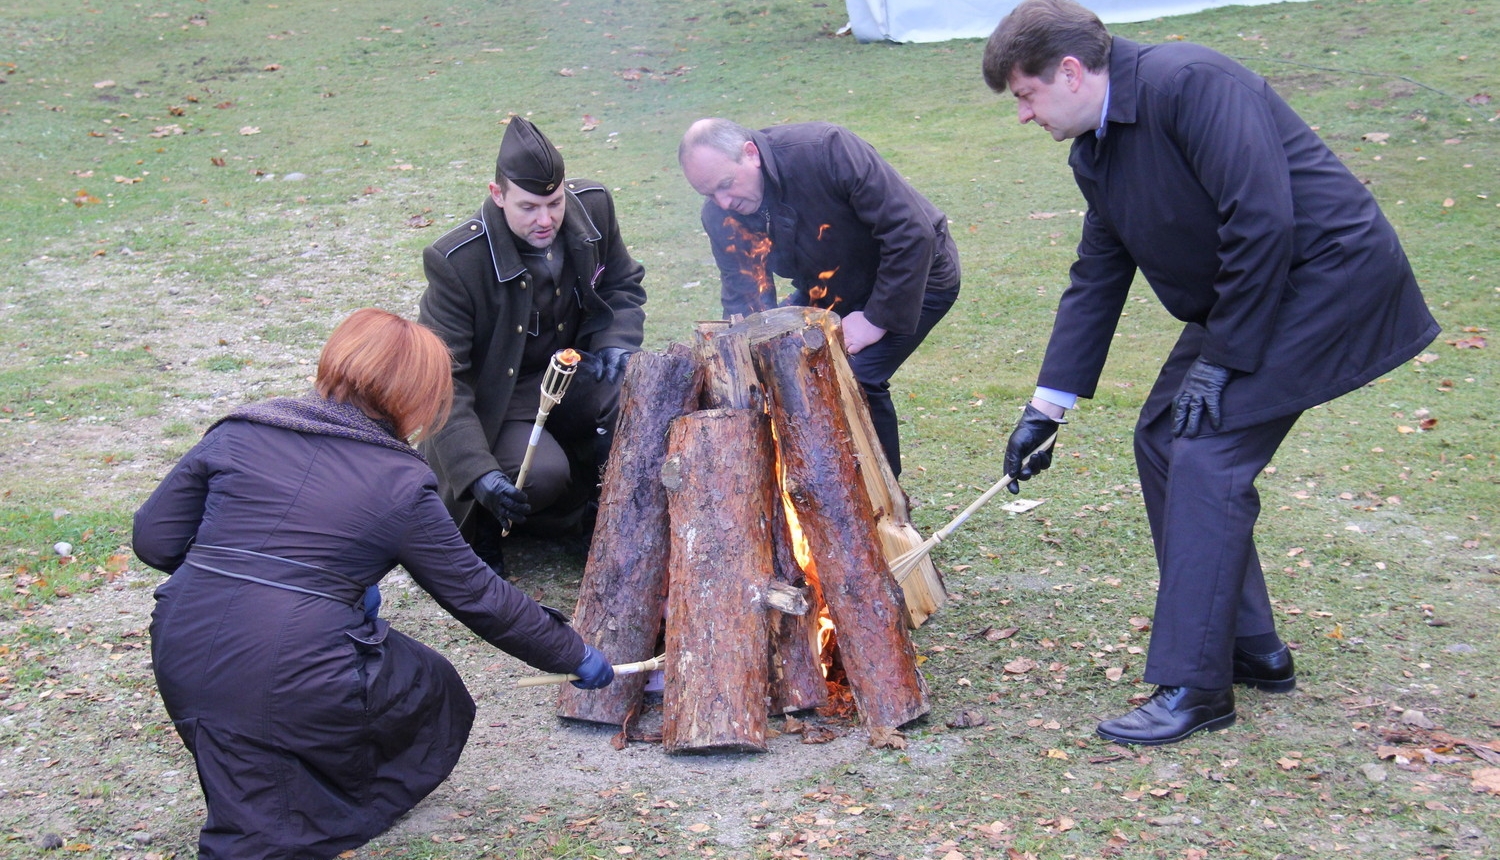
{"x": 541, "y": 267}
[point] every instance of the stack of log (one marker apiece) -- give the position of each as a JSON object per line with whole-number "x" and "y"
{"x": 694, "y": 543}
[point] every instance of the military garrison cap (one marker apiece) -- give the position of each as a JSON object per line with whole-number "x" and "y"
{"x": 528, "y": 159}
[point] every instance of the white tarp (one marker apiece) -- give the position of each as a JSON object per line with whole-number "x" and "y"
{"x": 940, "y": 20}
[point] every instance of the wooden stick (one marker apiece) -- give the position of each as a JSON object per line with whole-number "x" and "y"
{"x": 622, "y": 669}
{"x": 910, "y": 559}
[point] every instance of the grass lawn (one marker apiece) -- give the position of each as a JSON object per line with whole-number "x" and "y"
{"x": 195, "y": 191}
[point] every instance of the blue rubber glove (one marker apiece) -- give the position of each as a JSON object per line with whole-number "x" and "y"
{"x": 1031, "y": 431}
{"x": 1199, "y": 396}
{"x": 594, "y": 672}
{"x": 502, "y": 498}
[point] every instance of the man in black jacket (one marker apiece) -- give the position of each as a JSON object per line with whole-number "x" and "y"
{"x": 540, "y": 268}
{"x": 1292, "y": 287}
{"x": 815, "y": 203}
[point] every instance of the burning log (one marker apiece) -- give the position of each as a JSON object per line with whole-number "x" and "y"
{"x": 720, "y": 507}
{"x": 795, "y": 356}
{"x": 796, "y": 669}
{"x": 625, "y": 579}
{"x": 921, "y": 586}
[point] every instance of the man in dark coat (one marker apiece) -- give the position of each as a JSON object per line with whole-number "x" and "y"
{"x": 541, "y": 267}
{"x": 815, "y": 203}
{"x": 1292, "y": 286}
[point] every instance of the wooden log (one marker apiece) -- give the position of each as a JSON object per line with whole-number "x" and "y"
{"x": 719, "y": 504}
{"x": 623, "y": 593}
{"x": 834, "y": 512}
{"x": 922, "y": 587}
{"x": 730, "y": 382}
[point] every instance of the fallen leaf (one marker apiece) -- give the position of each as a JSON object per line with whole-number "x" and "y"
{"x": 1486, "y": 779}
{"x": 1114, "y": 673}
{"x": 419, "y": 221}
{"x": 1449, "y": 203}
{"x": 249, "y": 129}
{"x": 1020, "y": 666}
{"x": 103, "y": 85}
{"x": 995, "y": 635}
{"x": 271, "y": 67}
{"x": 967, "y": 718}
{"x": 886, "y": 737}
{"x": 567, "y": 73}
{"x": 1375, "y": 136}
{"x": 589, "y": 123}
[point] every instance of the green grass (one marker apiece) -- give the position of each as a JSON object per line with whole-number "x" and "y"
{"x": 151, "y": 279}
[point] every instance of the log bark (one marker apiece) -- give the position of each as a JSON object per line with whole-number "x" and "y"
{"x": 922, "y": 587}
{"x": 623, "y": 593}
{"x": 719, "y": 500}
{"x": 835, "y": 513}
{"x": 730, "y": 382}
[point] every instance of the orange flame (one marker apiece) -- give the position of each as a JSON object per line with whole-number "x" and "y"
{"x": 753, "y": 250}
{"x": 568, "y": 357}
{"x": 820, "y": 292}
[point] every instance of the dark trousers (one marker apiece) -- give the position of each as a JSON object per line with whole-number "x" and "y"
{"x": 1202, "y": 504}
{"x": 874, "y": 366}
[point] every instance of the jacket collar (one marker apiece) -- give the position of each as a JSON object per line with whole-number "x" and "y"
{"x": 1124, "y": 59}
{"x": 579, "y": 233}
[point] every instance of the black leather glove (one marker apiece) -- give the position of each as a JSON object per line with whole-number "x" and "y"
{"x": 594, "y": 672}
{"x": 612, "y": 360}
{"x": 1026, "y": 440}
{"x": 501, "y": 498}
{"x": 1199, "y": 395}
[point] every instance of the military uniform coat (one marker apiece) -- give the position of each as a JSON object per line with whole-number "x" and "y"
{"x": 479, "y": 300}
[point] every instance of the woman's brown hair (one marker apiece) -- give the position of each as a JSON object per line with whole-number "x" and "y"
{"x": 392, "y": 368}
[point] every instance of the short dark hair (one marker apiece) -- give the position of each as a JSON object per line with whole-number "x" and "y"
{"x": 390, "y": 367}
{"x": 1035, "y": 37}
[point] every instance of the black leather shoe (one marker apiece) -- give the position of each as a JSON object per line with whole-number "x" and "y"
{"x": 1172, "y": 714}
{"x": 1273, "y": 672}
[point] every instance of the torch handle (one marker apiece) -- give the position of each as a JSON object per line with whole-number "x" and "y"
{"x": 990, "y": 493}
{"x": 622, "y": 669}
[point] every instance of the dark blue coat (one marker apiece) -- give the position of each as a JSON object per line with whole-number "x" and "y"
{"x": 314, "y": 728}
{"x": 1246, "y": 226}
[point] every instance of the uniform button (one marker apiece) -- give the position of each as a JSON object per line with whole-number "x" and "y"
{"x": 473, "y": 227}
{"x": 520, "y": 328}
{"x": 559, "y": 326}
{"x": 510, "y": 371}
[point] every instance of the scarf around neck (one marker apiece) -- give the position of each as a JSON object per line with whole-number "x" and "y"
{"x": 319, "y": 416}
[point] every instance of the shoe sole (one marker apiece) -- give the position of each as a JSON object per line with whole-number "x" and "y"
{"x": 1213, "y": 725}
{"x": 1285, "y": 685}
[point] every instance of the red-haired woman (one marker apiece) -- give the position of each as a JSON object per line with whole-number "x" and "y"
{"x": 314, "y": 725}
